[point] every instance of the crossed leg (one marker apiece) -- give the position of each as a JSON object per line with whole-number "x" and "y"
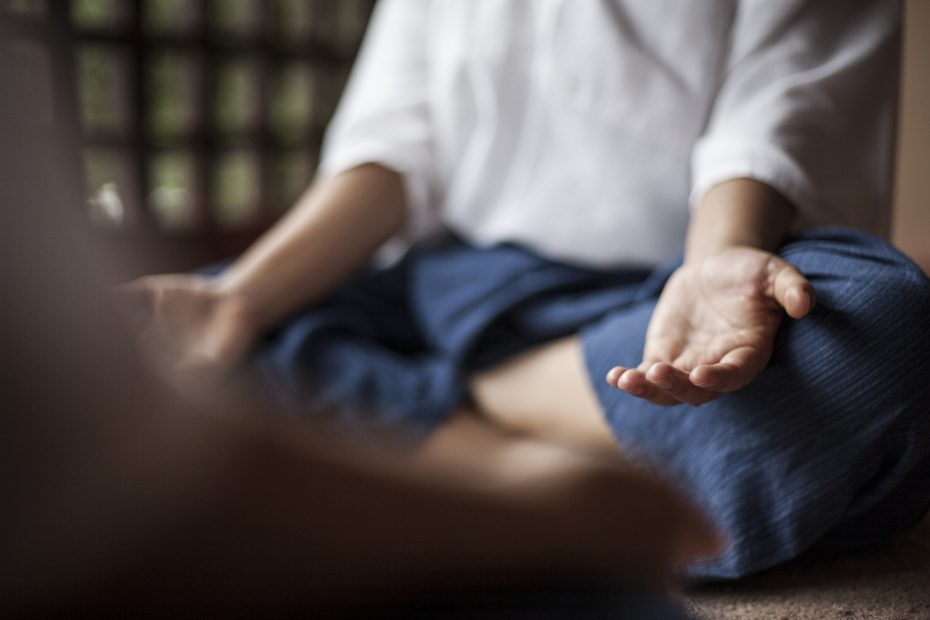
{"x": 120, "y": 487}
{"x": 545, "y": 393}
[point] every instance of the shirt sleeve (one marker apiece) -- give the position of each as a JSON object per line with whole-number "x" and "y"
{"x": 808, "y": 105}
{"x": 383, "y": 116}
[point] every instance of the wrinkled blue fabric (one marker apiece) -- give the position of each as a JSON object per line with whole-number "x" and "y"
{"x": 829, "y": 445}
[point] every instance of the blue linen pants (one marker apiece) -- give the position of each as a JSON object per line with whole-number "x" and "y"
{"x": 828, "y": 446}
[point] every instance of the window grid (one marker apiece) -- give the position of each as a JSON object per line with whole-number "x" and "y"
{"x": 185, "y": 157}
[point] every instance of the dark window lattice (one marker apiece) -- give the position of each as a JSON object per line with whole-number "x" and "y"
{"x": 197, "y": 116}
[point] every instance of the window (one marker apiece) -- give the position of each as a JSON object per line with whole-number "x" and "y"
{"x": 198, "y": 117}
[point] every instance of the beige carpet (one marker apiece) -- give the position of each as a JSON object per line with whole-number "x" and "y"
{"x": 888, "y": 583}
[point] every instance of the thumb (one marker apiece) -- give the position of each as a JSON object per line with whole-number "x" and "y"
{"x": 790, "y": 289}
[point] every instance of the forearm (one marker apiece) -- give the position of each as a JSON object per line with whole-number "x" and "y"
{"x": 739, "y": 212}
{"x": 331, "y": 233}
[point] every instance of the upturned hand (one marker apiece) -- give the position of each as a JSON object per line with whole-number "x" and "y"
{"x": 714, "y": 326}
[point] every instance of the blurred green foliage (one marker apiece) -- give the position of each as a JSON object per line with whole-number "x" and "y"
{"x": 173, "y": 88}
{"x": 98, "y": 14}
{"x": 291, "y": 107}
{"x": 237, "y": 97}
{"x": 236, "y": 187}
{"x": 237, "y": 17}
{"x": 291, "y": 20}
{"x": 102, "y": 79}
{"x": 173, "y": 181}
{"x": 169, "y": 16}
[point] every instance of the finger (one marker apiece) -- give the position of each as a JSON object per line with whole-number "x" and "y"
{"x": 657, "y": 396}
{"x": 734, "y": 371}
{"x": 676, "y": 384}
{"x": 634, "y": 382}
{"x": 790, "y": 289}
{"x": 626, "y": 379}
{"x": 720, "y": 377}
{"x": 613, "y": 375}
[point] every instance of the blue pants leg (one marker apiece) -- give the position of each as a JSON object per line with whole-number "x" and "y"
{"x": 359, "y": 360}
{"x": 830, "y": 443}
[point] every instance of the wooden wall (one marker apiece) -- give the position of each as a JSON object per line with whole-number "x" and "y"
{"x": 912, "y": 208}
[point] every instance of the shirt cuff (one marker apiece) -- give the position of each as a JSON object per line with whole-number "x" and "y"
{"x": 421, "y": 219}
{"x": 716, "y": 161}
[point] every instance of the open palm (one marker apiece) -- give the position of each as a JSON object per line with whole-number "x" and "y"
{"x": 714, "y": 325}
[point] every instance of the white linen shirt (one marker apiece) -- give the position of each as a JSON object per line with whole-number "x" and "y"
{"x": 584, "y": 129}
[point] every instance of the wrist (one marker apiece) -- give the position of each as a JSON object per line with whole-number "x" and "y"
{"x": 247, "y": 310}
{"x": 711, "y": 248}
{"x": 738, "y": 213}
